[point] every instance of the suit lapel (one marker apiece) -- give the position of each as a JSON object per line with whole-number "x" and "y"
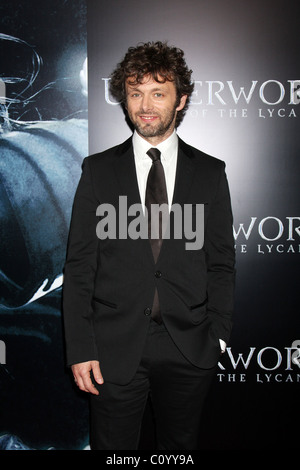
{"x": 125, "y": 171}
{"x": 184, "y": 174}
{"x": 183, "y": 181}
{"x": 124, "y": 167}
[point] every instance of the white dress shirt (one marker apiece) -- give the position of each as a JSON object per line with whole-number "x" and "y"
{"x": 169, "y": 152}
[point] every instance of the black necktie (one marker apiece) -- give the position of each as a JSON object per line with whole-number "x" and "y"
{"x": 156, "y": 193}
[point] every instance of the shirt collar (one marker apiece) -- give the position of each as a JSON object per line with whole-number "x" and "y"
{"x": 168, "y": 147}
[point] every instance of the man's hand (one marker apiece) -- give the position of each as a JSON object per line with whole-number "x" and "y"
{"x": 82, "y": 376}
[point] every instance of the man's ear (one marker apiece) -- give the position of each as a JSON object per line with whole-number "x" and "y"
{"x": 181, "y": 103}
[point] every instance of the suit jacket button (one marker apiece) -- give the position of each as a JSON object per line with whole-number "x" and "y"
{"x": 157, "y": 274}
{"x": 147, "y": 311}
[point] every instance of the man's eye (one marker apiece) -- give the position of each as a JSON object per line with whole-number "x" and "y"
{"x": 158, "y": 95}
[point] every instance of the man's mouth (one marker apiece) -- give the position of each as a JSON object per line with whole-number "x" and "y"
{"x": 147, "y": 118}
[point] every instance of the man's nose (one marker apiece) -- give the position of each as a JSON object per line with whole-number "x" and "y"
{"x": 147, "y": 104}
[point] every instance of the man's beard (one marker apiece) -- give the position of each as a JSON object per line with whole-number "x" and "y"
{"x": 156, "y": 131}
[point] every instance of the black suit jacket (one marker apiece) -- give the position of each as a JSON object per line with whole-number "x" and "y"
{"x": 109, "y": 284}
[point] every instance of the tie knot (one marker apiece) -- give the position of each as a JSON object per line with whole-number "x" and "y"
{"x": 154, "y": 154}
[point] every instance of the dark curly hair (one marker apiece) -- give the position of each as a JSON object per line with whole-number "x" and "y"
{"x": 162, "y": 62}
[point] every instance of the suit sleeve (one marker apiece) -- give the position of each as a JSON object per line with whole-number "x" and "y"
{"x": 79, "y": 273}
{"x": 220, "y": 252}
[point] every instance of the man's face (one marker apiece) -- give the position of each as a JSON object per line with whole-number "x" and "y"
{"x": 152, "y": 108}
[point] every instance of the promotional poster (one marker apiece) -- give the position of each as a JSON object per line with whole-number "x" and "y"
{"x": 56, "y": 109}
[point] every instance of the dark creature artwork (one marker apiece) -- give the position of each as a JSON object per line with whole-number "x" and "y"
{"x": 43, "y": 140}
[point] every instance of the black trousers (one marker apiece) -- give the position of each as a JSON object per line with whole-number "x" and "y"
{"x": 177, "y": 390}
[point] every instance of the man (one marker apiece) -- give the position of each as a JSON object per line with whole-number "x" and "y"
{"x": 148, "y": 317}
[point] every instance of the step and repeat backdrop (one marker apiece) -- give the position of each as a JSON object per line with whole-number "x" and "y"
{"x": 244, "y": 110}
